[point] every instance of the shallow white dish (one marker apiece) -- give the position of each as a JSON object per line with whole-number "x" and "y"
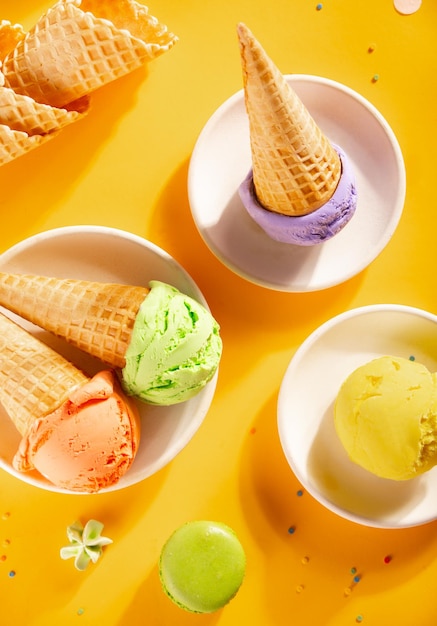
{"x": 111, "y": 255}
{"x": 221, "y": 159}
{"x": 305, "y": 414}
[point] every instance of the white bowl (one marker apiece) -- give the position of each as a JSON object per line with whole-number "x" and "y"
{"x": 305, "y": 414}
{"x": 221, "y": 160}
{"x": 107, "y": 255}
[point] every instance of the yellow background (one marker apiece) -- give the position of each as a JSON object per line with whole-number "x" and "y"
{"x": 125, "y": 166}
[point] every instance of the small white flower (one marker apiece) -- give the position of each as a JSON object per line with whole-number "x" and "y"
{"x": 87, "y": 543}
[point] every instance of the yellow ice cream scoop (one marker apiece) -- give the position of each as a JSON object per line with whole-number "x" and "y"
{"x": 385, "y": 415}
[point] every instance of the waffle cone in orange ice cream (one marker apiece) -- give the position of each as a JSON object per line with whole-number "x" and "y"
{"x": 78, "y": 46}
{"x": 34, "y": 379}
{"x": 295, "y": 168}
{"x": 96, "y": 317}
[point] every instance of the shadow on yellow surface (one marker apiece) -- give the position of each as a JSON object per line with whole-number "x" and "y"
{"x": 307, "y": 549}
{"x": 38, "y": 181}
{"x": 150, "y": 602}
{"x": 172, "y": 227}
{"x": 65, "y": 589}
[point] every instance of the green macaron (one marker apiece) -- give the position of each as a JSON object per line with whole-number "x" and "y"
{"x": 202, "y": 566}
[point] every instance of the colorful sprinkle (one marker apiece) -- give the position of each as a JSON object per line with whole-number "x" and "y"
{"x": 347, "y": 592}
{"x": 11, "y": 573}
{"x": 253, "y": 431}
{"x": 357, "y": 579}
{"x": 6, "y": 515}
{"x": 80, "y": 611}
{"x": 353, "y": 570}
{"x": 7, "y": 542}
{"x": 375, "y": 78}
{"x": 299, "y": 588}
{"x": 387, "y": 558}
{"x": 305, "y": 560}
{"x": 3, "y": 557}
{"x": 291, "y": 530}
{"x": 359, "y": 619}
{"x": 371, "y": 48}
{"x": 299, "y": 493}
{"x": 412, "y": 357}
{"x": 319, "y": 7}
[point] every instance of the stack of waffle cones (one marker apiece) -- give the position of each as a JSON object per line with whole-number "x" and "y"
{"x": 295, "y": 168}
{"x": 78, "y": 46}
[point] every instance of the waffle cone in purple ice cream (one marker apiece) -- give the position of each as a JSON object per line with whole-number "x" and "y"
{"x": 296, "y": 169}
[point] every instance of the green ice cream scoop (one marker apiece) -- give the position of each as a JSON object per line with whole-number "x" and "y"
{"x": 175, "y": 348}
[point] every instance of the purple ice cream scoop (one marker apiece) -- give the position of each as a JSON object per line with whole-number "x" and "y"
{"x": 315, "y": 227}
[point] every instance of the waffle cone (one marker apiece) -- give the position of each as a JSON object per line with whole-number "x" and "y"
{"x": 34, "y": 379}
{"x": 96, "y": 317}
{"x": 24, "y": 123}
{"x": 14, "y": 143}
{"x": 21, "y": 113}
{"x": 295, "y": 168}
{"x": 81, "y": 45}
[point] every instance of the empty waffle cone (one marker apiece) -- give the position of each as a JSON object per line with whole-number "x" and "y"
{"x": 81, "y": 45}
{"x": 96, "y": 317}
{"x": 21, "y": 113}
{"x": 295, "y": 168}
{"x": 24, "y": 123}
{"x": 15, "y": 143}
{"x": 34, "y": 379}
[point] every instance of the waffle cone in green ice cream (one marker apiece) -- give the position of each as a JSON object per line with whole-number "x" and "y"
{"x": 295, "y": 168}
{"x": 34, "y": 379}
{"x": 96, "y": 317}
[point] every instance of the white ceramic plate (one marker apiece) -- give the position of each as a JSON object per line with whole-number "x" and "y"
{"x": 221, "y": 160}
{"x": 106, "y": 254}
{"x": 305, "y": 414}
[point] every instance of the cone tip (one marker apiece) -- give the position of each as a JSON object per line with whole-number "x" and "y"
{"x": 243, "y": 32}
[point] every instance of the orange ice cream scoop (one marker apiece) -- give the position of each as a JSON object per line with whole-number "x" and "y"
{"x": 88, "y": 442}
